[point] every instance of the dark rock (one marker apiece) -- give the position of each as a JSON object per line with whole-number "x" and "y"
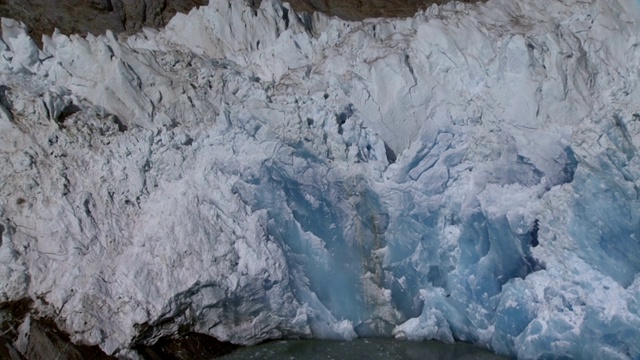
{"x": 11, "y": 314}
{"x": 129, "y": 16}
{"x": 359, "y": 9}
{"x": 391, "y": 155}
{"x": 93, "y": 16}
{"x": 186, "y": 347}
{"x": 533, "y": 233}
{"x": 45, "y": 340}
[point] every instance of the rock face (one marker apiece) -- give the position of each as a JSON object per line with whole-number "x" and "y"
{"x": 360, "y": 10}
{"x": 186, "y": 347}
{"x": 24, "y": 337}
{"x": 129, "y": 16}
{"x": 93, "y": 16}
{"x": 470, "y": 173}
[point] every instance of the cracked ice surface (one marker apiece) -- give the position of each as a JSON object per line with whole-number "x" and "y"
{"x": 254, "y": 174}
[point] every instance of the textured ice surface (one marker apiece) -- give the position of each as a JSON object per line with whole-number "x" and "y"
{"x": 471, "y": 173}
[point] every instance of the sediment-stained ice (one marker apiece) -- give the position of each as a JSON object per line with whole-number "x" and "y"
{"x": 469, "y": 174}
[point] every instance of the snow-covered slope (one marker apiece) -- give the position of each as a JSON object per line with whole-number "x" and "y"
{"x": 471, "y": 173}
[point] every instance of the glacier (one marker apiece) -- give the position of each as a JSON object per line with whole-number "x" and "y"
{"x": 467, "y": 174}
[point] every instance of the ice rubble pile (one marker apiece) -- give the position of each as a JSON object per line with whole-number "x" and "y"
{"x": 471, "y": 174}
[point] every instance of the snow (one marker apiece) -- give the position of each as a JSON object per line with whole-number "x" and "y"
{"x": 256, "y": 174}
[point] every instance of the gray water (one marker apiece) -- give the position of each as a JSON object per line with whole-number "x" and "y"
{"x": 384, "y": 349}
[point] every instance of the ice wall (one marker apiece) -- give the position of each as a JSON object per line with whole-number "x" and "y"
{"x": 467, "y": 174}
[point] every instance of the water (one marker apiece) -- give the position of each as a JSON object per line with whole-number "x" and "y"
{"x": 384, "y": 349}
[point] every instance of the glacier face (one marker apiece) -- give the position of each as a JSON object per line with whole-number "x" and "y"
{"x": 470, "y": 173}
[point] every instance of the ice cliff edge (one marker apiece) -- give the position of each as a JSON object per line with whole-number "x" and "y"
{"x": 470, "y": 173}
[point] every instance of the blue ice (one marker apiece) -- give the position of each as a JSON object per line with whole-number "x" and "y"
{"x": 338, "y": 231}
